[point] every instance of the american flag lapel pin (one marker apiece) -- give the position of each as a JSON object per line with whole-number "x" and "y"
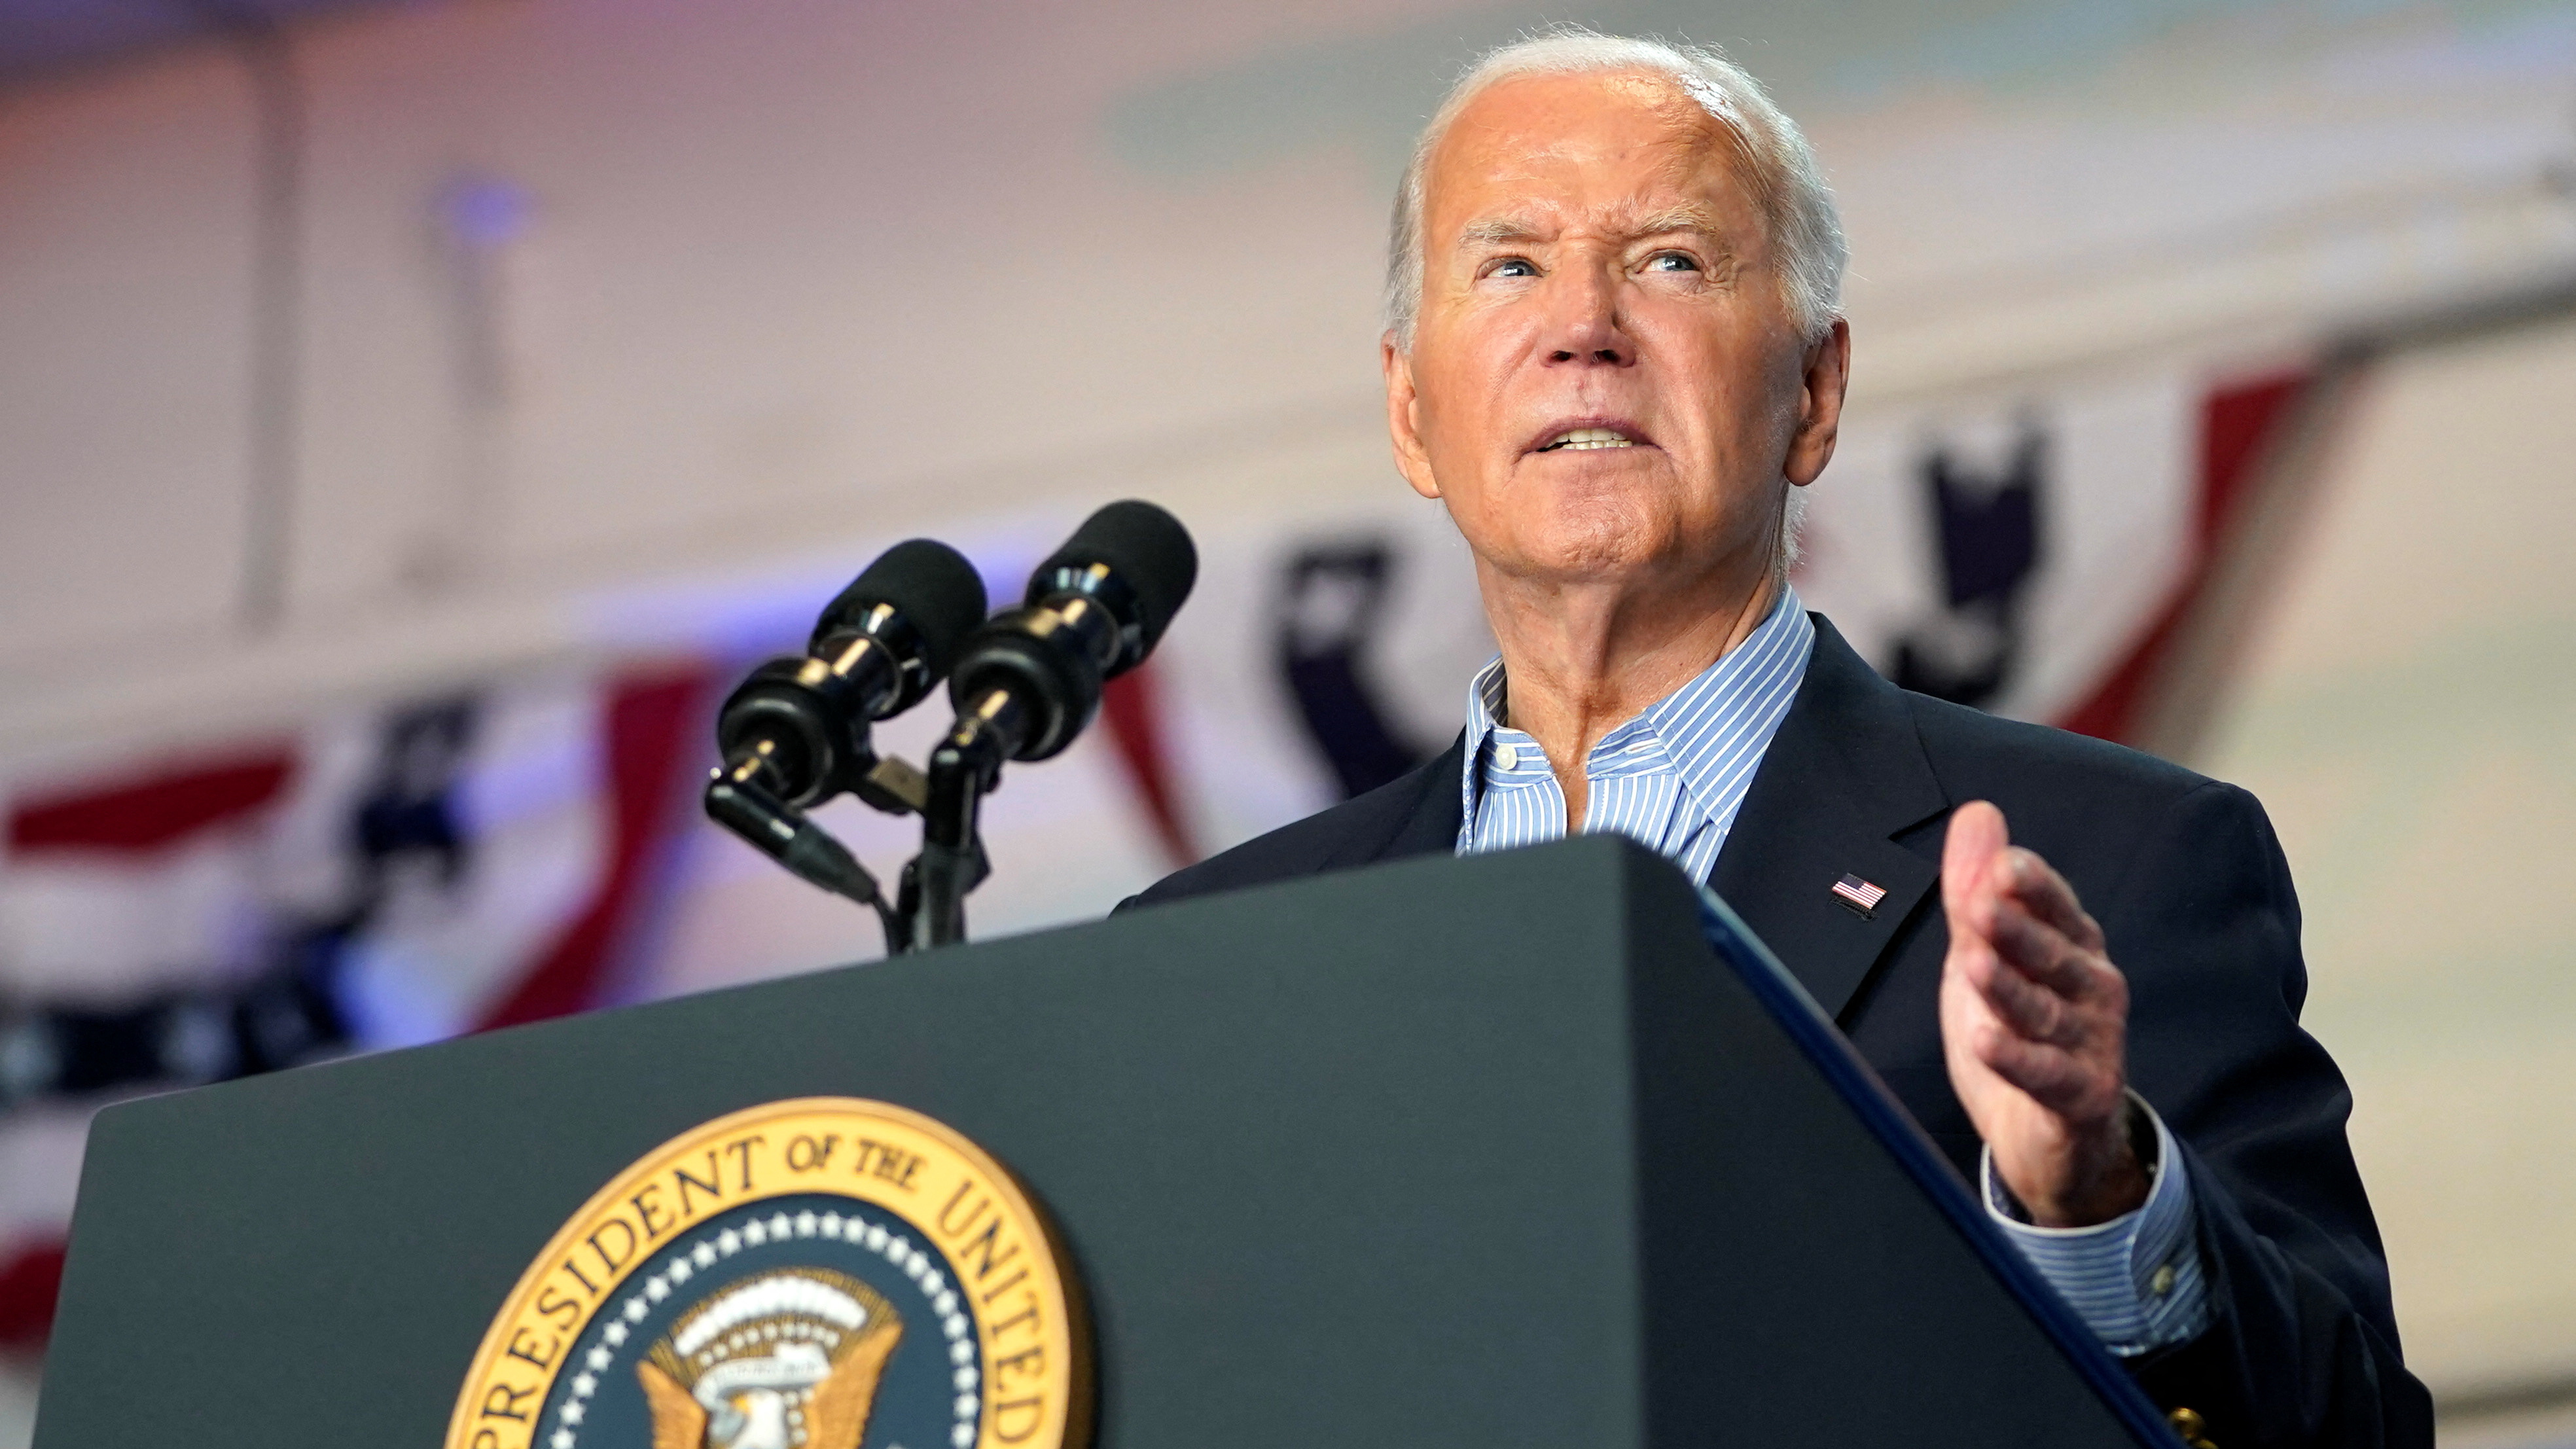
{"x": 1861, "y": 896}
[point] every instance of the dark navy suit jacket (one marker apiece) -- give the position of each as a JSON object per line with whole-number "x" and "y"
{"x": 2190, "y": 887}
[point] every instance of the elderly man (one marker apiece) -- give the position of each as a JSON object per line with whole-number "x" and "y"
{"x": 1614, "y": 354}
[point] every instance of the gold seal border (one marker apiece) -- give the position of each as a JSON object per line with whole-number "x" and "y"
{"x": 1012, "y": 1240}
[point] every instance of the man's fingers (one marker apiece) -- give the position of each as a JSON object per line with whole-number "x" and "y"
{"x": 2053, "y": 1076}
{"x": 2045, "y": 894}
{"x": 2025, "y": 1008}
{"x": 2042, "y": 953}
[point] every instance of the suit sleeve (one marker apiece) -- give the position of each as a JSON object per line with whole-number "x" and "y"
{"x": 2302, "y": 1345}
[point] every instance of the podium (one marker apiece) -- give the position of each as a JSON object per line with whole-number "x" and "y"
{"x": 1479, "y": 1152}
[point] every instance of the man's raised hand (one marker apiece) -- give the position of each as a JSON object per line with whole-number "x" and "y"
{"x": 2034, "y": 1025}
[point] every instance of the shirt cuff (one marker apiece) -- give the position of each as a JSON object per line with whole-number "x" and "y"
{"x": 2136, "y": 1280}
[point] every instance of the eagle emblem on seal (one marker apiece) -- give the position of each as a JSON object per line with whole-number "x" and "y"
{"x": 787, "y": 1359}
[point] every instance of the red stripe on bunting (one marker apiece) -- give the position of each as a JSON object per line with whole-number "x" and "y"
{"x": 1132, "y": 705}
{"x": 29, "y": 1283}
{"x": 651, "y": 720}
{"x": 153, "y": 810}
{"x": 2237, "y": 424}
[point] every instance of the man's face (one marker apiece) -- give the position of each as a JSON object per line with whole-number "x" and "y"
{"x": 1605, "y": 383}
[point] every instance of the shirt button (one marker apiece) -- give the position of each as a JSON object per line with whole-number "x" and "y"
{"x": 1507, "y": 757}
{"x": 2162, "y": 1283}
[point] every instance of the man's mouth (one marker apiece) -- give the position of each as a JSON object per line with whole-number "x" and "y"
{"x": 1573, "y": 439}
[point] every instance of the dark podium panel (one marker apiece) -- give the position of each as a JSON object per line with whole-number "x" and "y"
{"x": 1490, "y": 1152}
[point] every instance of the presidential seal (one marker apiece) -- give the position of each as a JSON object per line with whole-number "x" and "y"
{"x": 824, "y": 1273}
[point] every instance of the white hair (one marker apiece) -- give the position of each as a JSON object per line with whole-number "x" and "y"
{"x": 1776, "y": 163}
{"x": 1774, "y": 160}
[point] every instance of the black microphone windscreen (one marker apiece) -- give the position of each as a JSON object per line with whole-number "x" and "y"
{"x": 1146, "y": 548}
{"x": 932, "y": 585}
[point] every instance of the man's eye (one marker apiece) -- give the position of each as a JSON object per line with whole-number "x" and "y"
{"x": 1512, "y": 267}
{"x": 1671, "y": 262}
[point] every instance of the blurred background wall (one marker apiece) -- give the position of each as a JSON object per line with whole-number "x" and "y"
{"x": 412, "y": 414}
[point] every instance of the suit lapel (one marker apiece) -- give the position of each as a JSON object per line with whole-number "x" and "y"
{"x": 1422, "y": 815}
{"x": 1845, "y": 774}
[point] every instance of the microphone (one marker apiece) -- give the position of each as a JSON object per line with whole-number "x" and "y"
{"x": 1030, "y": 678}
{"x": 797, "y": 728}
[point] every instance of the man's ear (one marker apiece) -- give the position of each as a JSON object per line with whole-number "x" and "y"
{"x": 1404, "y": 417}
{"x": 1826, "y": 376}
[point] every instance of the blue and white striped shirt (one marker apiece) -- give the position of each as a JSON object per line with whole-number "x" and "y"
{"x": 1673, "y": 779}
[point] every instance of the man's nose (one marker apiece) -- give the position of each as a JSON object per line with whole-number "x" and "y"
{"x": 1585, "y": 329}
